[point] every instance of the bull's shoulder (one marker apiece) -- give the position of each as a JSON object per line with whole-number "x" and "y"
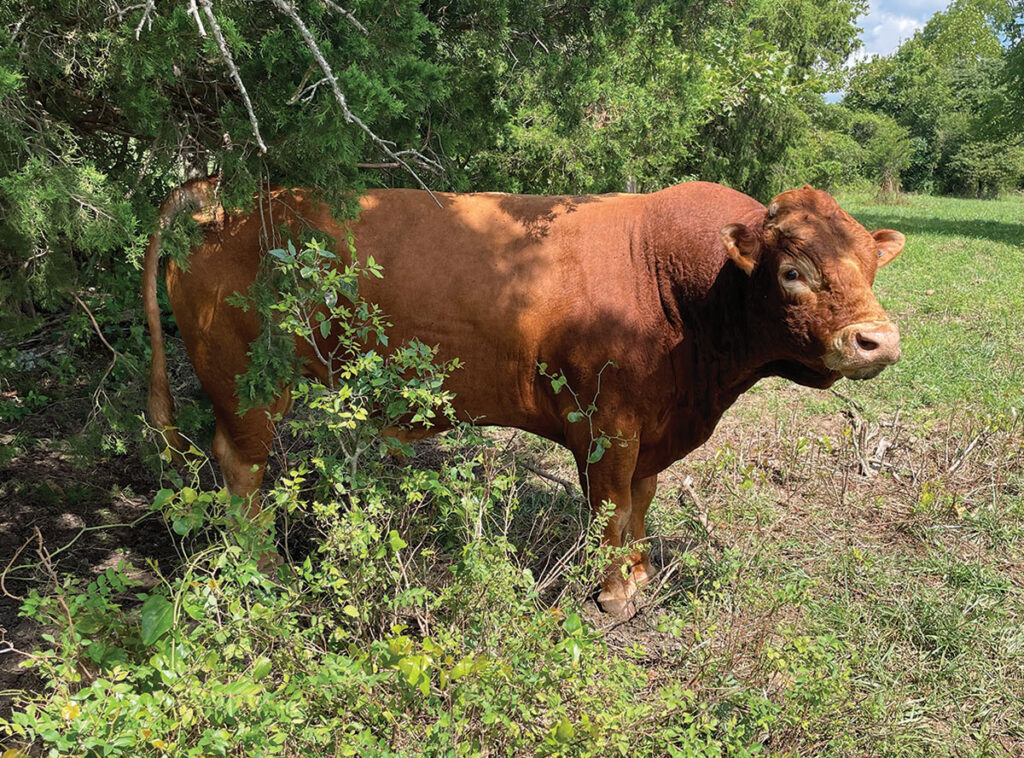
{"x": 708, "y": 195}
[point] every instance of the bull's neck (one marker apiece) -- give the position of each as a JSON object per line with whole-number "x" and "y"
{"x": 719, "y": 348}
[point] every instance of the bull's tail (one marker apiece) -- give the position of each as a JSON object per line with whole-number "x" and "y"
{"x": 194, "y": 195}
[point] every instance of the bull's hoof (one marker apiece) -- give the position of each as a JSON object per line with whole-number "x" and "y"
{"x": 622, "y": 608}
{"x": 617, "y": 600}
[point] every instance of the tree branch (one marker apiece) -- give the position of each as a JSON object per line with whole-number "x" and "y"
{"x": 230, "y": 62}
{"x": 350, "y": 118}
{"x": 149, "y": 7}
{"x": 199, "y": 21}
{"x": 347, "y": 14}
{"x": 99, "y": 333}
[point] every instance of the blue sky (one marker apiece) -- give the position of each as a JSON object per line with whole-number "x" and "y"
{"x": 888, "y": 22}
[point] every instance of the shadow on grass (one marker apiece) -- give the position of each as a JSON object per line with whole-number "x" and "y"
{"x": 993, "y": 231}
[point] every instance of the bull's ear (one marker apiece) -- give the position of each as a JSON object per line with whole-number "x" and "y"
{"x": 743, "y": 246}
{"x": 890, "y": 244}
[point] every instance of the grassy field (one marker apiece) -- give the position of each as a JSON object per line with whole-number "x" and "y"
{"x": 841, "y": 573}
{"x": 877, "y": 532}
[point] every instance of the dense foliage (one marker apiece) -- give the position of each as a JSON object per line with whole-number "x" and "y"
{"x": 103, "y": 108}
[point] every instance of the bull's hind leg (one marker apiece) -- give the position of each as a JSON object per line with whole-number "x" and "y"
{"x": 641, "y": 493}
{"x": 241, "y": 450}
{"x": 242, "y": 445}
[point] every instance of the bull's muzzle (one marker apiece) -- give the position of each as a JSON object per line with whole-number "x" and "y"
{"x": 862, "y": 350}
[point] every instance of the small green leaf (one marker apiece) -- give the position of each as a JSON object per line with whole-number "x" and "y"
{"x": 157, "y": 618}
{"x": 351, "y": 610}
{"x": 574, "y": 416}
{"x": 564, "y": 731}
{"x": 596, "y": 455}
{"x": 325, "y": 329}
{"x": 161, "y": 498}
{"x": 572, "y": 624}
{"x": 260, "y": 668}
{"x": 463, "y": 667}
{"x": 396, "y": 542}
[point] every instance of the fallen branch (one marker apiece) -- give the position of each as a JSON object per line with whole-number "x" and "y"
{"x": 230, "y": 63}
{"x": 570, "y": 490}
{"x": 350, "y": 118}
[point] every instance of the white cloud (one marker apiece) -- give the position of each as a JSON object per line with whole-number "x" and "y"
{"x": 888, "y": 23}
{"x": 884, "y": 32}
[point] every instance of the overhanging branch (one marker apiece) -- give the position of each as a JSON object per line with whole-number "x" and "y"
{"x": 229, "y": 61}
{"x": 383, "y": 145}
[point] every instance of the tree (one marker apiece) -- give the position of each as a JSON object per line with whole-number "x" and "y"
{"x": 887, "y": 149}
{"x": 948, "y": 86}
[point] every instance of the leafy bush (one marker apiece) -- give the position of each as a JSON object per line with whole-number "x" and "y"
{"x": 987, "y": 169}
{"x": 887, "y": 149}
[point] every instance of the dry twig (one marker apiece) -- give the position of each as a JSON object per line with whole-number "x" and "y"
{"x": 7, "y": 568}
{"x": 99, "y": 333}
{"x": 350, "y": 118}
{"x": 955, "y": 466}
{"x": 229, "y": 61}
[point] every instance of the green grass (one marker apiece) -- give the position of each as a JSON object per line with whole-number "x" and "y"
{"x": 957, "y": 292}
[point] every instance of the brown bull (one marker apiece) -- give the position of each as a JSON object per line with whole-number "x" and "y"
{"x": 695, "y": 292}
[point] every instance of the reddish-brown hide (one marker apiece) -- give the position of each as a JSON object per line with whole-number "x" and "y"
{"x": 695, "y": 292}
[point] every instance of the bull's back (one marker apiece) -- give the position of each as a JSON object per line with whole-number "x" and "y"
{"x": 500, "y": 282}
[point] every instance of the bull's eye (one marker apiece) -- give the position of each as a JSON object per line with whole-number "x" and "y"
{"x": 791, "y": 275}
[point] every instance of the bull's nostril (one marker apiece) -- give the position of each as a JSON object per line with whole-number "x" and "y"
{"x": 865, "y": 343}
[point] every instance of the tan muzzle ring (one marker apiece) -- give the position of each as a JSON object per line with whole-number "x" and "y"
{"x": 862, "y": 350}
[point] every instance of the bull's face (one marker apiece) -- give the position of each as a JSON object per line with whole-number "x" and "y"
{"x": 812, "y": 266}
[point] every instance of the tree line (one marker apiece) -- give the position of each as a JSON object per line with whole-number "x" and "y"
{"x": 105, "y": 106}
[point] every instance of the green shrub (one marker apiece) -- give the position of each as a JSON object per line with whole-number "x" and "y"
{"x": 987, "y": 169}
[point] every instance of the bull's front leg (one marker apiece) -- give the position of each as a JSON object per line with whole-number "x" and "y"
{"x": 611, "y": 480}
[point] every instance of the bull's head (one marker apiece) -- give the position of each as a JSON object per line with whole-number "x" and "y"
{"x": 812, "y": 267}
